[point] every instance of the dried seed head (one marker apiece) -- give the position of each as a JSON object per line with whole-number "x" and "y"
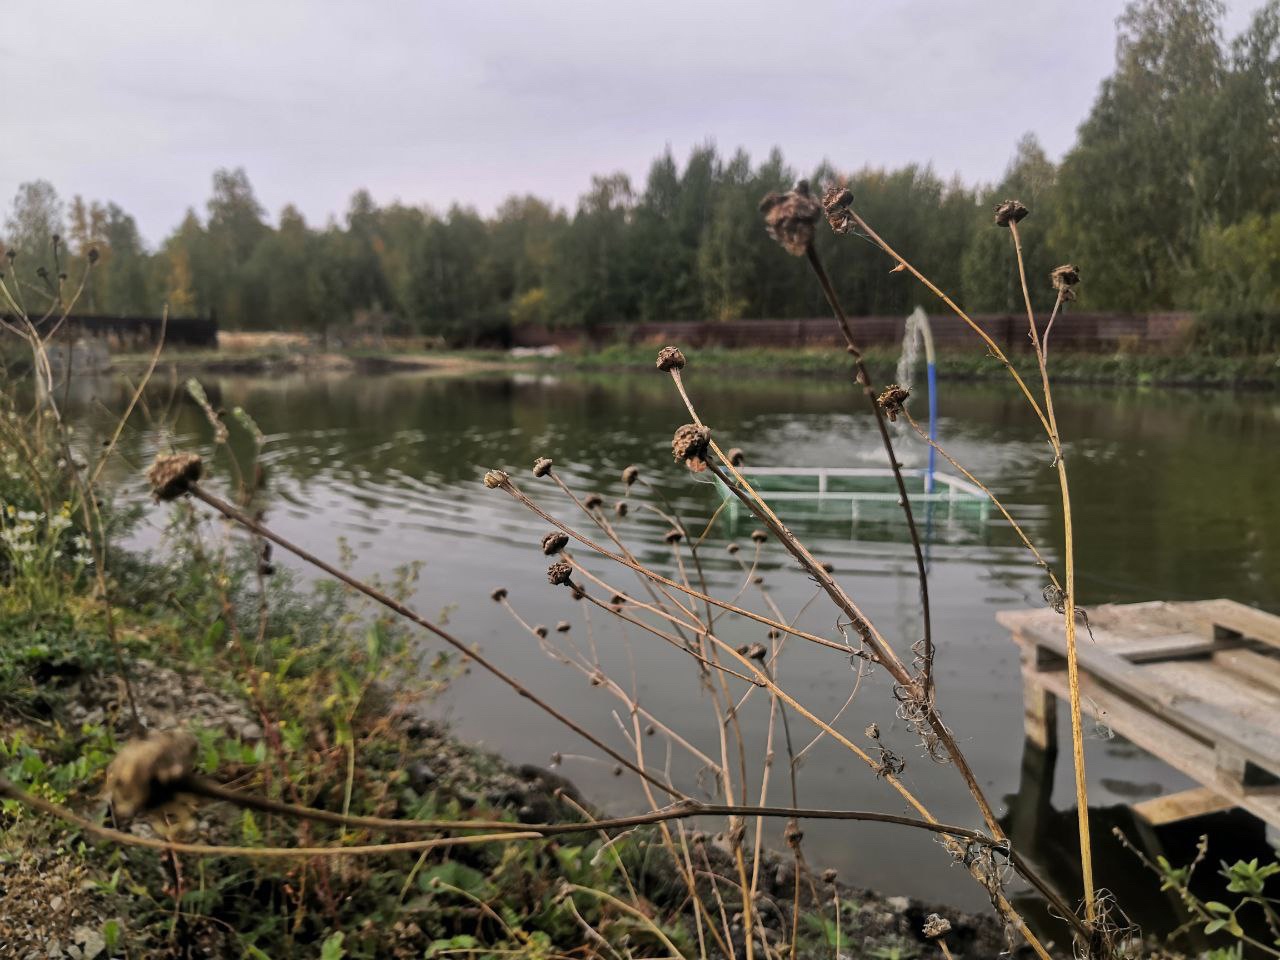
{"x": 11, "y": 254}
{"x": 1067, "y": 275}
{"x": 673, "y": 536}
{"x": 617, "y": 600}
{"x": 733, "y": 548}
{"x": 499, "y": 594}
{"x": 873, "y": 731}
{"x": 892, "y": 399}
{"x": 42, "y": 273}
{"x": 690, "y": 445}
{"x": 829, "y": 875}
{"x": 754, "y": 651}
{"x": 620, "y": 508}
{"x": 557, "y": 759}
{"x": 774, "y": 633}
{"x": 1054, "y": 597}
{"x": 496, "y": 478}
{"x": 541, "y": 631}
{"x": 559, "y": 572}
{"x": 670, "y": 358}
{"x": 592, "y": 500}
{"x": 790, "y": 217}
{"x": 554, "y": 542}
{"x": 93, "y": 255}
{"x": 836, "y": 202}
{"x": 542, "y": 466}
{"x": 62, "y": 276}
{"x": 171, "y": 475}
{"x": 936, "y": 926}
{"x": 617, "y": 771}
{"x": 736, "y": 456}
{"x": 759, "y": 536}
{"x": 827, "y": 567}
{"x": 145, "y": 772}
{"x": 630, "y": 475}
{"x": 1064, "y": 278}
{"x": 1010, "y": 211}
{"x": 793, "y": 834}
{"x": 578, "y": 592}
{"x": 650, "y": 730}
{"x": 564, "y": 626}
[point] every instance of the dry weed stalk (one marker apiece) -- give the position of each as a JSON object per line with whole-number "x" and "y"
{"x": 844, "y": 219}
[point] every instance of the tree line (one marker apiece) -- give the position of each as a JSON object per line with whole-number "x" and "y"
{"x": 1169, "y": 199}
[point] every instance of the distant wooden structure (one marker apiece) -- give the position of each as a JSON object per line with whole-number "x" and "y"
{"x": 131, "y": 333}
{"x": 1196, "y": 684}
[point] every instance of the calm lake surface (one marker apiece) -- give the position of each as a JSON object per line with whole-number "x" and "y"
{"x": 1175, "y": 498}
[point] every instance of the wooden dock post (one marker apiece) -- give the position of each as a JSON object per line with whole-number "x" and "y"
{"x": 1039, "y": 706}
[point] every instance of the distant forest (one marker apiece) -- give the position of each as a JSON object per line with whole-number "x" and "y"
{"x": 1169, "y": 199}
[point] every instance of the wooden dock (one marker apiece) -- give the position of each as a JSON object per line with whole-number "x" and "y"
{"x": 1196, "y": 684}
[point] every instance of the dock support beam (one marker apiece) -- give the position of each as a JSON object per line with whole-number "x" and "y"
{"x": 1039, "y": 706}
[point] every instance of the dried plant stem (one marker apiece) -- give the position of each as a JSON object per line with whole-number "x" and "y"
{"x": 1017, "y": 528}
{"x": 864, "y": 379}
{"x": 524, "y": 499}
{"x": 133, "y": 400}
{"x": 249, "y": 523}
{"x": 607, "y": 529}
{"x": 1069, "y": 600}
{"x": 992, "y": 346}
{"x": 883, "y": 652}
{"x": 592, "y": 671}
{"x": 13, "y": 792}
{"x": 708, "y": 662}
{"x": 630, "y": 910}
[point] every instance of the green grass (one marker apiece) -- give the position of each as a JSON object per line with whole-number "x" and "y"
{"x": 1190, "y": 369}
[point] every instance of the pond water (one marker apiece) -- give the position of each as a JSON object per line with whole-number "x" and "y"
{"x": 1175, "y": 498}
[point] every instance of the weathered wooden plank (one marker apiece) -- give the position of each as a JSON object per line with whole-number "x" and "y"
{"x": 1183, "y": 805}
{"x": 1177, "y": 646}
{"x": 1226, "y": 618}
{"x": 1175, "y": 747}
{"x": 1212, "y": 722}
{"x": 1258, "y": 669}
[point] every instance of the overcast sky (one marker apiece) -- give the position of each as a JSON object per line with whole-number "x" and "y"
{"x": 139, "y": 101}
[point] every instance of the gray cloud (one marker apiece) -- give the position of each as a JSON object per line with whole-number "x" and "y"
{"x": 432, "y": 102}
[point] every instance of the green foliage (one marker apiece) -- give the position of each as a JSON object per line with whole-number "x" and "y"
{"x": 1168, "y": 199}
{"x": 1236, "y": 287}
{"x": 1246, "y": 879}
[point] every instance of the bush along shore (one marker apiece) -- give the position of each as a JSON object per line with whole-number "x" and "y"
{"x": 1189, "y": 369}
{"x": 285, "y": 696}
